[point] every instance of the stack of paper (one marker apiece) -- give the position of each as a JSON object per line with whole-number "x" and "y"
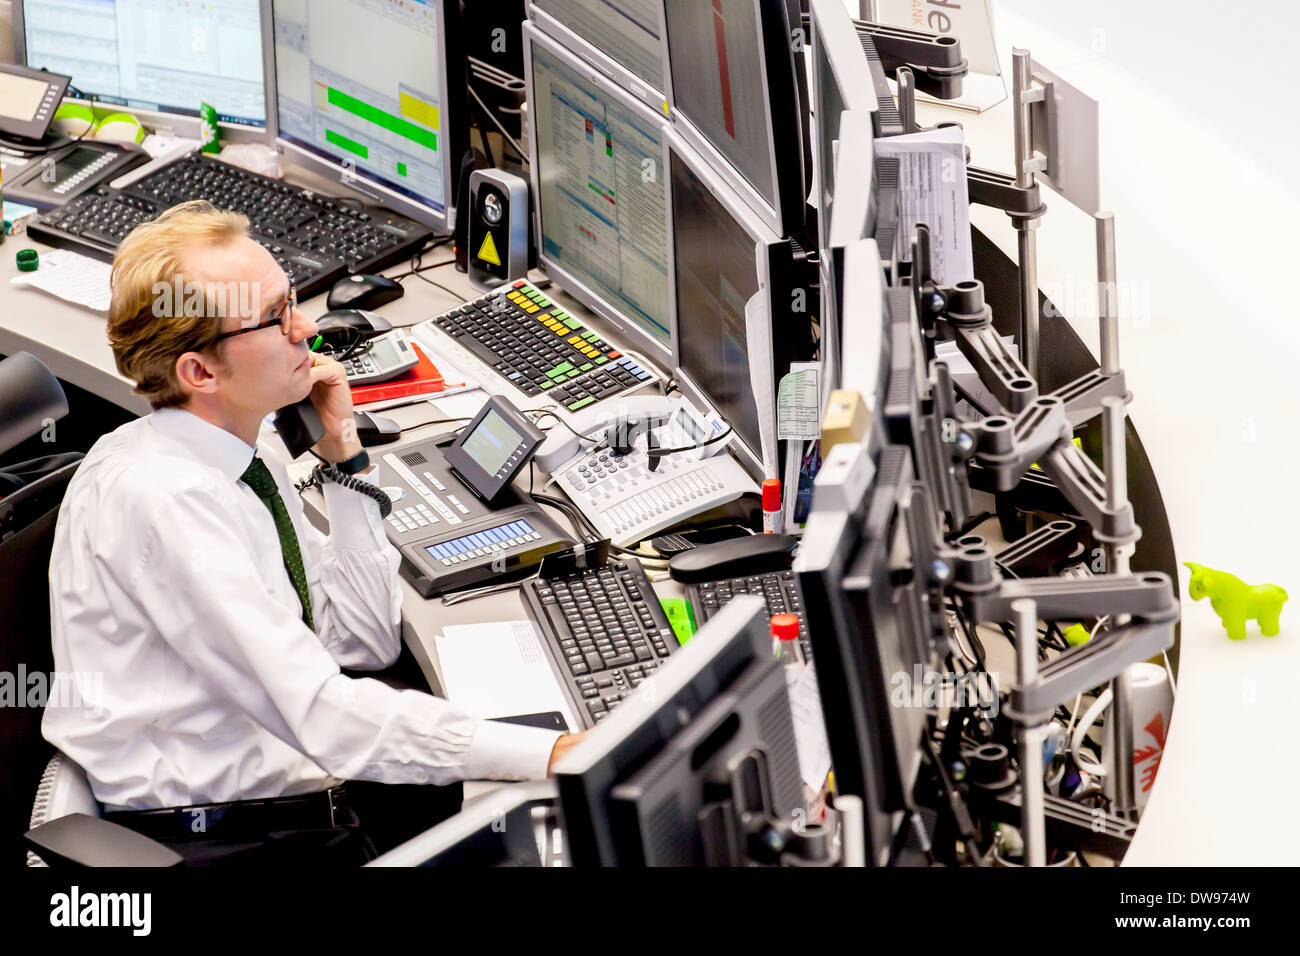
{"x": 499, "y": 670}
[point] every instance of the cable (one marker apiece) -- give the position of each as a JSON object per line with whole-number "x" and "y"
{"x": 321, "y": 472}
{"x": 581, "y": 520}
{"x": 1086, "y": 763}
{"x": 450, "y": 292}
{"x": 523, "y": 154}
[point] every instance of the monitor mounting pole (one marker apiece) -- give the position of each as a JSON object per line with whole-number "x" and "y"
{"x": 1023, "y": 95}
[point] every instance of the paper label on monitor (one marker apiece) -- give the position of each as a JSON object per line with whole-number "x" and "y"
{"x": 798, "y": 404}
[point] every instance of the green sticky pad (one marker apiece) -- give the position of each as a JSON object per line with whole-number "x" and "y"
{"x": 680, "y": 617}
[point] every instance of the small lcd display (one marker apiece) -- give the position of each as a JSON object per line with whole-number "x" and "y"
{"x": 492, "y": 442}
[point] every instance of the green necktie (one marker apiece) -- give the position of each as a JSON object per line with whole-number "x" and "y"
{"x": 258, "y": 477}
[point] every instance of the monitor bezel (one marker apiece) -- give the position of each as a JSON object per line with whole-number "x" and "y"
{"x": 786, "y": 216}
{"x": 169, "y": 122}
{"x": 647, "y": 722}
{"x": 611, "y": 69}
{"x": 454, "y": 131}
{"x": 842, "y": 52}
{"x": 656, "y": 350}
{"x": 851, "y": 219}
{"x": 766, "y": 246}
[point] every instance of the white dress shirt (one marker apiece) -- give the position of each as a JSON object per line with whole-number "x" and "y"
{"x": 168, "y": 590}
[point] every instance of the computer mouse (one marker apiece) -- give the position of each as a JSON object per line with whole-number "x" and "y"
{"x": 375, "y": 429}
{"x": 363, "y": 292}
{"x": 340, "y": 327}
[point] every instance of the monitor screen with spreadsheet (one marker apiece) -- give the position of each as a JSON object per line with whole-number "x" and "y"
{"x": 371, "y": 92}
{"x": 164, "y": 56}
{"x": 601, "y": 220}
{"x": 625, "y": 33}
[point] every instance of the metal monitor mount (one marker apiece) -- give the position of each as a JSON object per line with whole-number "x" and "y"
{"x": 1031, "y": 428}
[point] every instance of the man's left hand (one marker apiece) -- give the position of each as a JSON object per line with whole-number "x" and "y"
{"x": 333, "y": 400}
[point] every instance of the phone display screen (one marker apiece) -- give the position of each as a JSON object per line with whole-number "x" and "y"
{"x": 492, "y": 443}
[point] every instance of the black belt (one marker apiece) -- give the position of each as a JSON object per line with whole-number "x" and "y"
{"x": 242, "y": 819}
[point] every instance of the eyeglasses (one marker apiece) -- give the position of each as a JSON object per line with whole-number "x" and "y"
{"x": 282, "y": 315}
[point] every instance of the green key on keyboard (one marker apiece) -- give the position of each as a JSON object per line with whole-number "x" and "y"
{"x": 582, "y": 403}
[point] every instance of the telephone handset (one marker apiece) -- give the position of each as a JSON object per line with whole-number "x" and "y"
{"x": 630, "y": 493}
{"x": 299, "y": 427}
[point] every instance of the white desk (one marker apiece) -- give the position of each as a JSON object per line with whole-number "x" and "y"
{"x": 1209, "y": 340}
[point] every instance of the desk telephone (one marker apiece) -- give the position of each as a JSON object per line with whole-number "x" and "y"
{"x": 643, "y": 464}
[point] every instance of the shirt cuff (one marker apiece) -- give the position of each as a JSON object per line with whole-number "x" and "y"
{"x": 354, "y": 519}
{"x": 501, "y": 751}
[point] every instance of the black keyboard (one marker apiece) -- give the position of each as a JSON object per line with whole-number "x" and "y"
{"x": 315, "y": 240}
{"x": 605, "y": 630}
{"x": 779, "y": 588}
{"x": 539, "y": 348}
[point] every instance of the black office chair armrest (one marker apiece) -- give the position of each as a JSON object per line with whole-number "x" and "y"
{"x": 79, "y": 840}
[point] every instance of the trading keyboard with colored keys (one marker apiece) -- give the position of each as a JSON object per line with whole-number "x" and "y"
{"x": 540, "y": 348}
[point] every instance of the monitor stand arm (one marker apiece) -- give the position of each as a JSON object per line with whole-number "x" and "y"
{"x": 741, "y": 828}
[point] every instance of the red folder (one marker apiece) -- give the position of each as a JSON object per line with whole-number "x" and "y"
{"x": 422, "y": 380}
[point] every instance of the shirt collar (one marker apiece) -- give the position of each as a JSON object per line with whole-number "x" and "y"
{"x": 209, "y": 443}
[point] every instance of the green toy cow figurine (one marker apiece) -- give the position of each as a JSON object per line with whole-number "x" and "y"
{"x": 1236, "y": 602}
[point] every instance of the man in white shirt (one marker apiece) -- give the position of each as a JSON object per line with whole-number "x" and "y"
{"x": 217, "y": 616}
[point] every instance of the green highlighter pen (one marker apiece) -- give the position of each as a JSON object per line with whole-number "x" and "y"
{"x": 315, "y": 346}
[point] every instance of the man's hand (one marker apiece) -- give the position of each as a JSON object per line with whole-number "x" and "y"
{"x": 333, "y": 400}
{"x": 562, "y": 746}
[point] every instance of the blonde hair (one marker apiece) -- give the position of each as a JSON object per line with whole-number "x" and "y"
{"x": 146, "y": 339}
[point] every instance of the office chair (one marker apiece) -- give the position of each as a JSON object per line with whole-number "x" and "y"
{"x": 66, "y": 828}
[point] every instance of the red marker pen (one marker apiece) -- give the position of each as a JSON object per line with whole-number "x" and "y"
{"x": 773, "y": 514}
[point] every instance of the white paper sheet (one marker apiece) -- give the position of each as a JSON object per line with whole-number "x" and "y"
{"x": 798, "y": 403}
{"x": 809, "y": 728}
{"x": 463, "y": 404}
{"x": 455, "y": 377}
{"x": 499, "y": 669}
{"x": 932, "y": 189}
{"x": 72, "y": 277}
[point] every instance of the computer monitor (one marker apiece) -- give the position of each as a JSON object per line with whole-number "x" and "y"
{"x": 599, "y": 206}
{"x": 740, "y": 313}
{"x": 623, "y": 40}
{"x": 844, "y": 218}
{"x": 666, "y": 779}
{"x": 865, "y": 592}
{"x": 155, "y": 58}
{"x": 841, "y": 81}
{"x": 372, "y": 93}
{"x": 734, "y": 95}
